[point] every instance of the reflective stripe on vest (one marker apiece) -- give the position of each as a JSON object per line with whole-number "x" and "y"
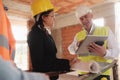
{"x": 4, "y": 42}
{"x": 5, "y": 49}
{"x": 98, "y": 31}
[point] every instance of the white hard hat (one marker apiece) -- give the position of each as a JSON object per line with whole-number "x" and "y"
{"x": 82, "y": 10}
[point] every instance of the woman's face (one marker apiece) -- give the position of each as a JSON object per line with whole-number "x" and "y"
{"x": 49, "y": 20}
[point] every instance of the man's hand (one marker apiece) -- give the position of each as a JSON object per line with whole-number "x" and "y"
{"x": 99, "y": 50}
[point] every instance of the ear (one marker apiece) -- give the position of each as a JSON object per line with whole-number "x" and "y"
{"x": 91, "y": 15}
{"x": 44, "y": 18}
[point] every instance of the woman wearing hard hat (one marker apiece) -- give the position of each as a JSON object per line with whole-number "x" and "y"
{"x": 8, "y": 71}
{"x": 104, "y": 53}
{"x": 41, "y": 44}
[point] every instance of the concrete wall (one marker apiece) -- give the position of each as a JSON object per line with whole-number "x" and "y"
{"x": 58, "y": 40}
{"x": 105, "y": 10}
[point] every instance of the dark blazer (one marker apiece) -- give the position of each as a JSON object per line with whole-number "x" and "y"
{"x": 43, "y": 52}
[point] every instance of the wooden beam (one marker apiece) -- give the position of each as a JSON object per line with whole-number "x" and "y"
{"x": 17, "y": 13}
{"x": 23, "y": 2}
{"x": 66, "y": 9}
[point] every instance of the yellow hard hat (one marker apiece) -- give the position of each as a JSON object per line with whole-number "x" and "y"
{"x": 104, "y": 78}
{"x": 39, "y": 6}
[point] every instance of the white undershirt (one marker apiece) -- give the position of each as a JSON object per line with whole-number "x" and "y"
{"x": 48, "y": 29}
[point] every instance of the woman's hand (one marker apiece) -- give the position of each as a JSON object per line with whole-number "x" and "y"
{"x": 99, "y": 50}
{"x": 73, "y": 61}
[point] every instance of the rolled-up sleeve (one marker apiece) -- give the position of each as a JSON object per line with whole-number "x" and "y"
{"x": 112, "y": 51}
{"x": 73, "y": 46}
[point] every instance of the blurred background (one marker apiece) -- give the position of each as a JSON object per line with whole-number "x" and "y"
{"x": 106, "y": 12}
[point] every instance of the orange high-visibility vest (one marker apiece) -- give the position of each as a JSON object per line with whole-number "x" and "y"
{"x": 7, "y": 41}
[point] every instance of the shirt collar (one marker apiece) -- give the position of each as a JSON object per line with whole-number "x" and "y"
{"x": 48, "y": 29}
{"x": 92, "y": 29}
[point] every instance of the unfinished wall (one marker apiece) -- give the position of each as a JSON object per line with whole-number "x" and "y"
{"x": 68, "y": 34}
{"x": 63, "y": 37}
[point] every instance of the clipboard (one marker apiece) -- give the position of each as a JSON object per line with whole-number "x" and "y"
{"x": 82, "y": 49}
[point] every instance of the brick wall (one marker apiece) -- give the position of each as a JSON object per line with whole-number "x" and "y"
{"x": 68, "y": 34}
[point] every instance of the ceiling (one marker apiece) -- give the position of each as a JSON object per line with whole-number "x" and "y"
{"x": 21, "y": 8}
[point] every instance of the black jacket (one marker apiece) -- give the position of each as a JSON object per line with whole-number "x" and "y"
{"x": 43, "y": 52}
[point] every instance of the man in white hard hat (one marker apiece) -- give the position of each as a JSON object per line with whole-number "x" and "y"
{"x": 104, "y": 53}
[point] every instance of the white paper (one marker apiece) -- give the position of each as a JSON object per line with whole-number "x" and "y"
{"x": 82, "y": 50}
{"x": 91, "y": 66}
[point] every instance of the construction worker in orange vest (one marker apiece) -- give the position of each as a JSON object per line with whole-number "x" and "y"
{"x": 7, "y": 41}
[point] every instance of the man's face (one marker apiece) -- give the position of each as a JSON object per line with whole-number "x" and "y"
{"x": 86, "y": 20}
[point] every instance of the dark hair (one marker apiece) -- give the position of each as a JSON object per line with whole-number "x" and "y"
{"x": 40, "y": 20}
{"x": 5, "y": 8}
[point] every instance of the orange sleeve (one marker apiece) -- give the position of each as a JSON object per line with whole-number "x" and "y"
{"x": 7, "y": 41}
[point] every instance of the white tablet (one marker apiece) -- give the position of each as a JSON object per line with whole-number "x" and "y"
{"x": 82, "y": 50}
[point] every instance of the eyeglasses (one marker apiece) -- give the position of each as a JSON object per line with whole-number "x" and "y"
{"x": 51, "y": 15}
